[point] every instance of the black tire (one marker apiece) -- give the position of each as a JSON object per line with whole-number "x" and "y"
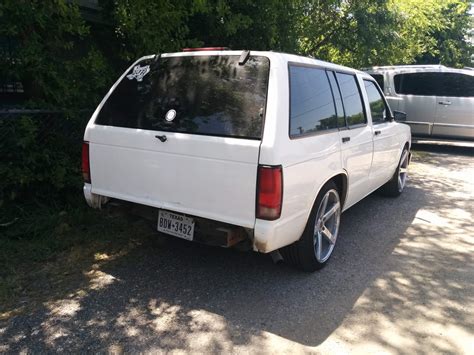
{"x": 395, "y": 186}
{"x": 303, "y": 253}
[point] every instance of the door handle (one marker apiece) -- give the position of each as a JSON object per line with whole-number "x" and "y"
{"x": 162, "y": 138}
{"x": 445, "y": 102}
{"x": 346, "y": 139}
{"x": 377, "y": 132}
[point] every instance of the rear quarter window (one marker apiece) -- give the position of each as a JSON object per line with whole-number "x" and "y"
{"x": 208, "y": 95}
{"x": 312, "y": 107}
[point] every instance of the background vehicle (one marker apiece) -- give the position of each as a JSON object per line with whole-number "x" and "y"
{"x": 438, "y": 101}
{"x": 232, "y": 147}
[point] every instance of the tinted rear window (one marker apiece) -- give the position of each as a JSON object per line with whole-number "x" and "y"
{"x": 210, "y": 95}
{"x": 341, "y": 119}
{"x": 311, "y": 102}
{"x": 454, "y": 84}
{"x": 352, "y": 99}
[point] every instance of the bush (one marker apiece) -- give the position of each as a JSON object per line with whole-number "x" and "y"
{"x": 40, "y": 154}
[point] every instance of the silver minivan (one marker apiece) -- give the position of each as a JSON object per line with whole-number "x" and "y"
{"x": 438, "y": 101}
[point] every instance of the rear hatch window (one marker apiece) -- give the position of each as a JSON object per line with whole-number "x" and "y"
{"x": 207, "y": 95}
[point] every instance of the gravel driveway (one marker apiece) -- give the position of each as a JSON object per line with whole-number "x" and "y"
{"x": 401, "y": 280}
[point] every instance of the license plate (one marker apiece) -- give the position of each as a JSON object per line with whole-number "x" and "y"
{"x": 175, "y": 224}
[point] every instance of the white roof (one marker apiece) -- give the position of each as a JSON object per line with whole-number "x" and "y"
{"x": 417, "y": 68}
{"x": 274, "y": 56}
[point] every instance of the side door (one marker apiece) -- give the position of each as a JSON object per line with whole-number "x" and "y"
{"x": 386, "y": 142}
{"x": 455, "y": 106}
{"x": 356, "y": 137}
{"x": 417, "y": 91}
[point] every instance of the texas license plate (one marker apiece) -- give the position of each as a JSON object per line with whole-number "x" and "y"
{"x": 175, "y": 224}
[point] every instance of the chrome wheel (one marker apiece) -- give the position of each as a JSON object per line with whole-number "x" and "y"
{"x": 403, "y": 170}
{"x": 326, "y": 225}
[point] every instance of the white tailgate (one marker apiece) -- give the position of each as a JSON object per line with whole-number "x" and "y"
{"x": 205, "y": 176}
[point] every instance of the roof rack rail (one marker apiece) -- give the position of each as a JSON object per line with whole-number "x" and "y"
{"x": 407, "y": 66}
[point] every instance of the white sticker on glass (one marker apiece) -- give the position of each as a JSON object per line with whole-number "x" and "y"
{"x": 139, "y": 72}
{"x": 170, "y": 115}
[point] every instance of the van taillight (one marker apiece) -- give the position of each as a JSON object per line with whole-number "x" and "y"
{"x": 269, "y": 192}
{"x": 86, "y": 168}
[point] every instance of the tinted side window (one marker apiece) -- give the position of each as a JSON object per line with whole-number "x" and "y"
{"x": 376, "y": 102}
{"x": 311, "y": 103}
{"x": 351, "y": 99}
{"x": 378, "y": 78}
{"x": 341, "y": 120}
{"x": 424, "y": 84}
{"x": 454, "y": 84}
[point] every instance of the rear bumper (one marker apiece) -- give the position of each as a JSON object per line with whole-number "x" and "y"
{"x": 266, "y": 236}
{"x": 206, "y": 231}
{"x": 94, "y": 200}
{"x": 273, "y": 235}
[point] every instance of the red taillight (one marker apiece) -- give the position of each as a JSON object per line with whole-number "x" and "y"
{"x": 269, "y": 192}
{"x": 86, "y": 168}
{"x": 205, "y": 49}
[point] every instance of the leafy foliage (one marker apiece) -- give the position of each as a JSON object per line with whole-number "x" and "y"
{"x": 362, "y": 32}
{"x": 39, "y": 155}
{"x": 50, "y": 54}
{"x": 448, "y": 38}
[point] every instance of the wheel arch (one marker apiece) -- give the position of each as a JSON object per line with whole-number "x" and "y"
{"x": 406, "y": 146}
{"x": 341, "y": 181}
{"x": 296, "y": 252}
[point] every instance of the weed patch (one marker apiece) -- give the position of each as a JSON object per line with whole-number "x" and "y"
{"x": 46, "y": 250}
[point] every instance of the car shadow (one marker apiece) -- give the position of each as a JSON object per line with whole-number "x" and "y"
{"x": 460, "y": 149}
{"x": 170, "y": 294}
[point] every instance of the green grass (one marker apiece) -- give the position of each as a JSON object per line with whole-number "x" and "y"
{"x": 418, "y": 154}
{"x": 49, "y": 245}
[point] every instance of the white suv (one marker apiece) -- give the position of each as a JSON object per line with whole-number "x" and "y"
{"x": 231, "y": 147}
{"x": 438, "y": 101}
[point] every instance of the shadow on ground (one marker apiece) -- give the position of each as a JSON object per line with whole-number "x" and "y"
{"x": 401, "y": 275}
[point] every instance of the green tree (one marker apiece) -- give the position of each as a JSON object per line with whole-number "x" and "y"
{"x": 142, "y": 27}
{"x": 244, "y": 24}
{"x": 353, "y": 32}
{"x": 450, "y": 45}
{"x": 362, "y": 33}
{"x": 49, "y": 53}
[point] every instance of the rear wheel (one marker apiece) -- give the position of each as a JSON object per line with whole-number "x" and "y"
{"x": 313, "y": 250}
{"x": 397, "y": 183}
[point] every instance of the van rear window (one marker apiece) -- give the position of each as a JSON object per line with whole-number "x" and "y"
{"x": 209, "y": 95}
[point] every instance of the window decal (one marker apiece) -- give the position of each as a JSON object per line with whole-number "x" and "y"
{"x": 170, "y": 115}
{"x": 139, "y": 72}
